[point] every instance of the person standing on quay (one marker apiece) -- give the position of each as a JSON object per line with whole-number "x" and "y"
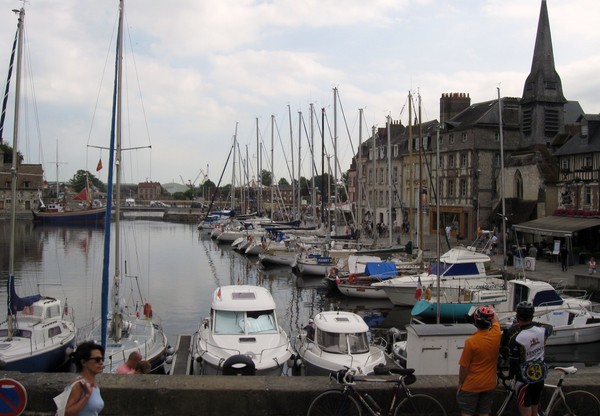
{"x": 85, "y": 398}
{"x": 524, "y": 346}
{"x": 592, "y": 266}
{"x": 477, "y": 371}
{"x": 564, "y": 257}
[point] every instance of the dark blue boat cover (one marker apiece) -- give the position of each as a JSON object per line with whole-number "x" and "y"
{"x": 381, "y": 269}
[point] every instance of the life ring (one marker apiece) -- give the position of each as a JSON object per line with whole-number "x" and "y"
{"x": 528, "y": 264}
{"x": 239, "y": 365}
{"x": 147, "y": 310}
{"x": 352, "y": 278}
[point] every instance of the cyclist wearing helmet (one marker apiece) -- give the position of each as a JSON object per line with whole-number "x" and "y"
{"x": 477, "y": 371}
{"x": 523, "y": 344}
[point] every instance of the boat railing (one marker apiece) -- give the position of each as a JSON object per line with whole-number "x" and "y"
{"x": 235, "y": 351}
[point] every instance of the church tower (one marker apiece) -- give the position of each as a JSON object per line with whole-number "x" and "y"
{"x": 542, "y": 105}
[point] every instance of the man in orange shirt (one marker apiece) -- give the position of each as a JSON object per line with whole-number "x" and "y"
{"x": 477, "y": 371}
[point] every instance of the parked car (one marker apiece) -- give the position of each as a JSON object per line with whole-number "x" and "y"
{"x": 158, "y": 204}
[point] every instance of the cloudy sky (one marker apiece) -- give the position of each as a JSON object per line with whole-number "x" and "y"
{"x": 196, "y": 69}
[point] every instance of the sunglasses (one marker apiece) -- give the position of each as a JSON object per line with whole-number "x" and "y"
{"x": 97, "y": 359}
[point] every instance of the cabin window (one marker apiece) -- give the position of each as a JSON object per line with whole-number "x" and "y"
{"x": 229, "y": 323}
{"x": 54, "y": 331}
{"x": 16, "y": 333}
{"x": 355, "y": 343}
{"x": 260, "y": 322}
{"x": 547, "y": 298}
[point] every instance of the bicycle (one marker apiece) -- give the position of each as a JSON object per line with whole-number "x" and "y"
{"x": 348, "y": 401}
{"x": 573, "y": 403}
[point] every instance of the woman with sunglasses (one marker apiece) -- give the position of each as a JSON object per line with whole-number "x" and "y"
{"x": 85, "y": 398}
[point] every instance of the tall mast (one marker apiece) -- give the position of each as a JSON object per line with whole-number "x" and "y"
{"x": 292, "y": 156}
{"x": 411, "y": 169}
{"x": 258, "y": 193}
{"x": 14, "y": 171}
{"x": 272, "y": 161}
{"x": 299, "y": 161}
{"x": 359, "y": 172}
{"x": 312, "y": 165}
{"x": 335, "y": 136}
{"x": 389, "y": 178}
{"x": 502, "y": 184}
{"x": 420, "y": 196}
{"x": 233, "y": 170}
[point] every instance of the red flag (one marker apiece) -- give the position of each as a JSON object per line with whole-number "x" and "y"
{"x": 419, "y": 290}
{"x": 99, "y": 166}
{"x": 337, "y": 279}
{"x": 219, "y": 293}
{"x": 81, "y": 196}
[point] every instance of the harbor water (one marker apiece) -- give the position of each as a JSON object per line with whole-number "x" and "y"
{"x": 177, "y": 268}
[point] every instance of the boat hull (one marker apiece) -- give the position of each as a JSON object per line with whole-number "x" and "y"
{"x": 90, "y": 217}
{"x": 362, "y": 291}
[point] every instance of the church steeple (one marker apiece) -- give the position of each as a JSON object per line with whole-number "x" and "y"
{"x": 543, "y": 100}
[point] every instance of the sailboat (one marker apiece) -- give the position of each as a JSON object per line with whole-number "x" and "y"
{"x": 126, "y": 328}
{"x": 38, "y": 334}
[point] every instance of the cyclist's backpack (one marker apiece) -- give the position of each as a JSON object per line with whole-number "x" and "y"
{"x": 534, "y": 371}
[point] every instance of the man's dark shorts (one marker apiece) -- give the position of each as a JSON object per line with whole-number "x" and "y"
{"x": 475, "y": 403}
{"x": 528, "y": 394}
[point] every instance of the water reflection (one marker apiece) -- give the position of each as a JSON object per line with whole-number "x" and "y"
{"x": 179, "y": 269}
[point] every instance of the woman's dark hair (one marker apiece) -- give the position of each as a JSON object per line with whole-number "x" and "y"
{"x": 83, "y": 351}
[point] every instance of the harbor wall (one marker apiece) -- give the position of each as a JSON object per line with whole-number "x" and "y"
{"x": 234, "y": 395}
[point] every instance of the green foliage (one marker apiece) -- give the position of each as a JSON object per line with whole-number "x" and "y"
{"x": 8, "y": 152}
{"x": 266, "y": 178}
{"x": 283, "y": 181}
{"x": 78, "y": 182}
{"x": 190, "y": 194}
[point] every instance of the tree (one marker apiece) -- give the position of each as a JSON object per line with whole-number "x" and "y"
{"x": 266, "y": 178}
{"x": 8, "y": 152}
{"x": 283, "y": 181}
{"x": 78, "y": 182}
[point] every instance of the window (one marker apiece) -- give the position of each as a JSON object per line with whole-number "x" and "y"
{"x": 370, "y": 154}
{"x": 587, "y": 163}
{"x": 587, "y": 195}
{"x": 395, "y": 150}
{"x": 464, "y": 137}
{"x": 27, "y": 184}
{"x": 518, "y": 185}
{"x": 395, "y": 178}
{"x": 497, "y": 136}
{"x": 54, "y": 331}
{"x": 463, "y": 187}
{"x": 381, "y": 152}
{"x": 463, "y": 160}
{"x": 451, "y": 139}
{"x": 497, "y": 159}
{"x": 450, "y": 160}
{"x": 451, "y": 187}
{"x": 564, "y": 164}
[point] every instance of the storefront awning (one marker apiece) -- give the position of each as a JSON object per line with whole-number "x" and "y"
{"x": 556, "y": 226}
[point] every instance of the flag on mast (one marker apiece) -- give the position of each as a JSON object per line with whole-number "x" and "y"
{"x": 419, "y": 290}
{"x": 99, "y": 166}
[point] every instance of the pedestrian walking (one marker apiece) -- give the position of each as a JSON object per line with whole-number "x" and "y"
{"x": 477, "y": 371}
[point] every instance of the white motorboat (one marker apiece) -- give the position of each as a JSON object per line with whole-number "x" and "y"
{"x": 274, "y": 253}
{"x": 340, "y": 340}
{"x": 574, "y": 318}
{"x": 241, "y": 332}
{"x": 455, "y": 265}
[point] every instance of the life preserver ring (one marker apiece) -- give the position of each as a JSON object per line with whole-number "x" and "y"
{"x": 352, "y": 278}
{"x": 239, "y": 365}
{"x": 147, "y": 310}
{"x": 528, "y": 264}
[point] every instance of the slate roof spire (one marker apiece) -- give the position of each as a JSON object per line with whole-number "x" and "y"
{"x": 543, "y": 99}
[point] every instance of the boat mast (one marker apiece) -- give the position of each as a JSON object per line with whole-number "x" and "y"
{"x": 117, "y": 313}
{"x": 299, "y": 202}
{"x": 312, "y": 165}
{"x": 109, "y": 194}
{"x": 411, "y": 171}
{"x": 420, "y": 194}
{"x": 437, "y": 221}
{"x": 14, "y": 174}
{"x": 272, "y": 172}
{"x": 502, "y": 184}
{"x": 359, "y": 172}
{"x": 389, "y": 178}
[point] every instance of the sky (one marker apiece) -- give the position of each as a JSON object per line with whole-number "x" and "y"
{"x": 197, "y": 73}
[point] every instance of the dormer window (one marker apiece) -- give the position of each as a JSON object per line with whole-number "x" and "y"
{"x": 564, "y": 164}
{"x": 584, "y": 131}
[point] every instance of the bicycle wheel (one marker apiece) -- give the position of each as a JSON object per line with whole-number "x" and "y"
{"x": 420, "y": 405}
{"x": 334, "y": 402}
{"x": 579, "y": 403}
